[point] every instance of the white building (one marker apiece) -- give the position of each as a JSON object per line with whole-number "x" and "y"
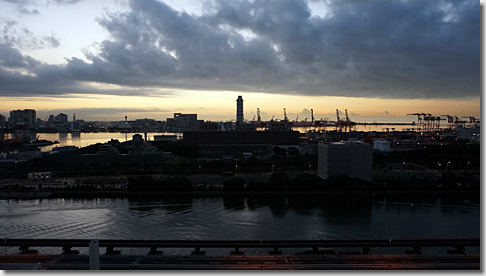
{"x": 381, "y": 145}
{"x": 352, "y": 159}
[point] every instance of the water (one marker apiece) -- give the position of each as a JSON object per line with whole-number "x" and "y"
{"x": 85, "y": 139}
{"x": 239, "y": 218}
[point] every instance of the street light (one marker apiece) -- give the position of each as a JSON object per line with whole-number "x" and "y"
{"x": 272, "y": 168}
{"x": 236, "y": 168}
{"x": 447, "y": 167}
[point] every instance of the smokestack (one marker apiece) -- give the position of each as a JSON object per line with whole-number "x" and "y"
{"x": 239, "y": 110}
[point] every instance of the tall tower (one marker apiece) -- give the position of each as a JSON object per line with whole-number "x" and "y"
{"x": 239, "y": 110}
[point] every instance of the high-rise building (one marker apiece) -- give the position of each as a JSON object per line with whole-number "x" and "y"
{"x": 30, "y": 116}
{"x": 2, "y": 121}
{"x": 239, "y": 110}
{"x": 61, "y": 118}
{"x": 352, "y": 159}
{"x": 26, "y": 117}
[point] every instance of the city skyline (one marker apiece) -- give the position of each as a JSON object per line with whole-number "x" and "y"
{"x": 103, "y": 61}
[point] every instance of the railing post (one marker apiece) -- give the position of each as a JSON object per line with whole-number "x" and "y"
{"x": 415, "y": 250}
{"x": 275, "y": 251}
{"x": 237, "y": 251}
{"x": 110, "y": 250}
{"x": 67, "y": 250}
{"x": 94, "y": 255}
{"x": 459, "y": 250}
{"x": 197, "y": 251}
{"x": 154, "y": 251}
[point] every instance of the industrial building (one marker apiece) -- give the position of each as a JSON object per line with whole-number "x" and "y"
{"x": 241, "y": 138}
{"x": 352, "y": 159}
{"x": 182, "y": 122}
{"x": 472, "y": 134}
{"x": 381, "y": 145}
{"x": 235, "y": 144}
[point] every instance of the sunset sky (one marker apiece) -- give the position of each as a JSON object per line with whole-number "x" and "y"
{"x": 105, "y": 60}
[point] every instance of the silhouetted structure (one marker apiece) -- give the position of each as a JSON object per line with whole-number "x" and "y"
{"x": 245, "y": 138}
{"x": 352, "y": 159}
{"x": 239, "y": 110}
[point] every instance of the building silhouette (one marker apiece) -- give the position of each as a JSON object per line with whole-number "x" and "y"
{"x": 26, "y": 117}
{"x": 352, "y": 159}
{"x": 239, "y": 110}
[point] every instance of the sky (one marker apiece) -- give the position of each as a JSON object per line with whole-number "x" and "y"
{"x": 104, "y": 60}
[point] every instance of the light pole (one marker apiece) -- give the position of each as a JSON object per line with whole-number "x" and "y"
{"x": 272, "y": 168}
{"x": 447, "y": 167}
{"x": 236, "y": 169}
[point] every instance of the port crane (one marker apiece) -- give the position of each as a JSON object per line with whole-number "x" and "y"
{"x": 347, "y": 124}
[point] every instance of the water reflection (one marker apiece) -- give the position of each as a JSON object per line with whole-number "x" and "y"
{"x": 346, "y": 210}
{"x": 332, "y": 208}
{"x": 76, "y": 137}
{"x": 168, "y": 205}
{"x": 233, "y": 203}
{"x": 329, "y": 217}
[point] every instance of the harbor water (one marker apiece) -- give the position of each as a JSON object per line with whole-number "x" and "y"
{"x": 240, "y": 218}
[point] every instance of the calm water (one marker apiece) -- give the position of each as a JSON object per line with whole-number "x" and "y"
{"x": 86, "y": 139}
{"x": 240, "y": 218}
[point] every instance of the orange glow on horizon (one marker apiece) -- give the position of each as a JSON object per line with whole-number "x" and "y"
{"x": 221, "y": 106}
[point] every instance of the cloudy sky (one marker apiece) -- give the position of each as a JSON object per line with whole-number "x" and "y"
{"x": 380, "y": 59}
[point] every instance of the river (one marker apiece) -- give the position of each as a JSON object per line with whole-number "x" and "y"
{"x": 257, "y": 218}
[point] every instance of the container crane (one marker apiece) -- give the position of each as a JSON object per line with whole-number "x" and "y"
{"x": 473, "y": 121}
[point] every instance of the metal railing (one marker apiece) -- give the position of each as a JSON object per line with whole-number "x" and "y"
{"x": 315, "y": 246}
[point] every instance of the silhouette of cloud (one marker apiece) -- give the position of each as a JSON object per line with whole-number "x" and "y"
{"x": 387, "y": 49}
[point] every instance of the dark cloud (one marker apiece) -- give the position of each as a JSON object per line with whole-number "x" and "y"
{"x": 22, "y": 75}
{"x": 389, "y": 49}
